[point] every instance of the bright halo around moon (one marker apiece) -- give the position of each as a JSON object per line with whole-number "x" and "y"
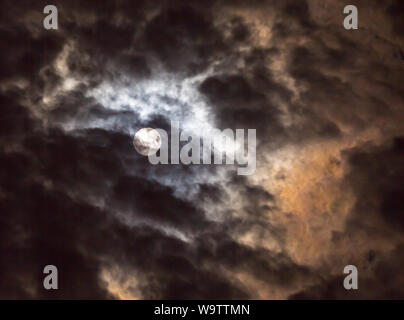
{"x": 147, "y": 141}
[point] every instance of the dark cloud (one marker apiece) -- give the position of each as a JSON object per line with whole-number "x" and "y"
{"x": 380, "y": 197}
{"x": 240, "y": 105}
{"x": 184, "y": 38}
{"x": 25, "y": 55}
{"x": 396, "y": 11}
{"x": 382, "y": 282}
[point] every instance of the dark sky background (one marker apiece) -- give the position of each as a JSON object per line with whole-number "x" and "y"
{"x": 327, "y": 104}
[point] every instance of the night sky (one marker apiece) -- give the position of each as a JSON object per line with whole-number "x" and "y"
{"x": 328, "y": 107}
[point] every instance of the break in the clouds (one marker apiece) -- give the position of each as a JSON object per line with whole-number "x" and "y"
{"x": 328, "y": 107}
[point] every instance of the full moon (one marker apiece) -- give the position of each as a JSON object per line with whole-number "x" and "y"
{"x": 147, "y": 141}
